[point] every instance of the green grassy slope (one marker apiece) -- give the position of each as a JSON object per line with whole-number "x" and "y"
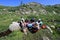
{"x": 7, "y": 19}
{"x": 48, "y": 19}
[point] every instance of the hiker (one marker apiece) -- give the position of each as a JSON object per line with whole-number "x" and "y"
{"x": 35, "y": 27}
{"x": 31, "y": 23}
{"x": 32, "y": 26}
{"x": 22, "y": 23}
{"x": 23, "y": 27}
{"x": 32, "y": 20}
{"x": 39, "y": 22}
{"x": 43, "y": 26}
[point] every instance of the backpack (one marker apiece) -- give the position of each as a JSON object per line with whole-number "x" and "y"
{"x": 30, "y": 25}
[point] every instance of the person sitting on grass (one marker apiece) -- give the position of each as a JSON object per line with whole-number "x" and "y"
{"x": 32, "y": 26}
{"x": 39, "y": 22}
{"x": 23, "y": 26}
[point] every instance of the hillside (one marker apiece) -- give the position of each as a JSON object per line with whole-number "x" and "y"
{"x": 49, "y": 14}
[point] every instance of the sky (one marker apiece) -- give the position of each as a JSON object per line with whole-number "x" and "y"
{"x": 18, "y": 2}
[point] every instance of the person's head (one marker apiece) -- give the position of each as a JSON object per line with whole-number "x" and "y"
{"x": 26, "y": 20}
{"x": 32, "y": 20}
{"x": 39, "y": 20}
{"x": 22, "y": 19}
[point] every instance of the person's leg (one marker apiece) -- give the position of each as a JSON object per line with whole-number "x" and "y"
{"x": 25, "y": 31}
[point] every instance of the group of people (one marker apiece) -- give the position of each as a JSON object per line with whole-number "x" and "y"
{"x": 32, "y": 25}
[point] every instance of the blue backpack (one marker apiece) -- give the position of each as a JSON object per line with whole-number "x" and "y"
{"x": 30, "y": 25}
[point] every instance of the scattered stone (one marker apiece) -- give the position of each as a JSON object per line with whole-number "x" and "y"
{"x": 14, "y": 26}
{"x": 52, "y": 26}
{"x": 45, "y": 38}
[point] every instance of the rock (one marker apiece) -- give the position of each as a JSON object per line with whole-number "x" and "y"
{"x": 49, "y": 29}
{"x": 45, "y": 38}
{"x": 14, "y": 26}
{"x": 52, "y": 26}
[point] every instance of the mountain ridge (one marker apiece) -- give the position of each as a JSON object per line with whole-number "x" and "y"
{"x": 33, "y": 7}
